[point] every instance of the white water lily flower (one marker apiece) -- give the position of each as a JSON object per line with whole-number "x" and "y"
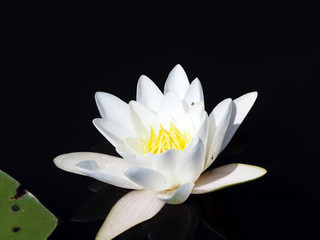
{"x": 166, "y": 141}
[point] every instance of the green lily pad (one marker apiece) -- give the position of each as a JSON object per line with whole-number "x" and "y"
{"x": 22, "y": 216}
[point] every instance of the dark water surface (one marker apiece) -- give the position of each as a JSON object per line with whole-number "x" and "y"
{"x": 56, "y": 55}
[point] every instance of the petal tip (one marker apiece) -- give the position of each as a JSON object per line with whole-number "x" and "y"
{"x": 261, "y": 171}
{"x": 57, "y": 160}
{"x": 251, "y": 95}
{"x": 97, "y": 122}
{"x": 178, "y": 66}
{"x": 143, "y": 78}
{"x": 196, "y": 80}
{"x": 133, "y": 103}
{"x": 98, "y": 95}
{"x": 254, "y": 94}
{"x": 255, "y": 171}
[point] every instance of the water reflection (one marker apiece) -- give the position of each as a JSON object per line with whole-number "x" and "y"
{"x": 207, "y": 216}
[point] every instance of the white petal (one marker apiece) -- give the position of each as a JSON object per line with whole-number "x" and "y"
{"x": 134, "y": 144}
{"x": 132, "y": 209}
{"x": 200, "y": 132}
{"x": 177, "y": 81}
{"x": 166, "y": 162}
{"x": 141, "y": 118}
{"x": 185, "y": 124}
{"x": 112, "y": 131}
{"x": 241, "y": 107}
{"x": 149, "y": 94}
{"x": 178, "y": 196}
{"x": 225, "y": 176}
{"x": 195, "y": 112}
{"x": 204, "y": 129}
{"x": 69, "y": 161}
{"x": 190, "y": 167}
{"x": 194, "y": 93}
{"x": 220, "y": 110}
{"x": 132, "y": 157}
{"x": 163, "y": 118}
{"x": 172, "y": 104}
{"x": 111, "y": 174}
{"x": 148, "y": 178}
{"x": 113, "y": 108}
{"x": 218, "y": 121}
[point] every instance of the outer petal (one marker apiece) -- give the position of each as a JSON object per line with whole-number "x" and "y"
{"x": 112, "y": 131}
{"x": 241, "y": 107}
{"x": 113, "y": 108}
{"x": 177, "y": 81}
{"x": 111, "y": 173}
{"x": 148, "y": 178}
{"x": 190, "y": 168}
{"x": 132, "y": 209}
{"x": 178, "y": 196}
{"x": 225, "y": 176}
{"x": 194, "y": 93}
{"x": 69, "y": 161}
{"x": 218, "y": 121}
{"x": 149, "y": 94}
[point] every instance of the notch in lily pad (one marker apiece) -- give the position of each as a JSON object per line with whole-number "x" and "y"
{"x": 22, "y": 216}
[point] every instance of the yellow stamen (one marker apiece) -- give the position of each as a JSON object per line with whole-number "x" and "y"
{"x": 165, "y": 140}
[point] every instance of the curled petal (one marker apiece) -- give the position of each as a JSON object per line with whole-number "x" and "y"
{"x": 149, "y": 94}
{"x": 225, "y": 176}
{"x": 148, "y": 178}
{"x": 132, "y": 209}
{"x": 177, "y": 81}
{"x": 178, "y": 196}
{"x": 240, "y": 109}
{"x": 111, "y": 173}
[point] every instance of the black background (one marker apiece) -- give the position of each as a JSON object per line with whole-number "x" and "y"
{"x": 57, "y": 54}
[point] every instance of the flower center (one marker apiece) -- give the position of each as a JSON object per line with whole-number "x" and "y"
{"x": 165, "y": 140}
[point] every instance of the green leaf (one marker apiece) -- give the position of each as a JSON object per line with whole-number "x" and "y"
{"x": 22, "y": 216}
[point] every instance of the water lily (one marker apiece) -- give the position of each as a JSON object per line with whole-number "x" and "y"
{"x": 166, "y": 142}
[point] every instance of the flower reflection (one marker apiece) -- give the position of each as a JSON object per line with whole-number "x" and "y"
{"x": 208, "y": 217}
{"x": 166, "y": 141}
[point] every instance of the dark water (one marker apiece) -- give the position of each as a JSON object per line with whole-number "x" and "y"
{"x": 57, "y": 55}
